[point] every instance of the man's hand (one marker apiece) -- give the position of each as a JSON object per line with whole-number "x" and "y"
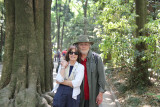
{"x": 99, "y": 98}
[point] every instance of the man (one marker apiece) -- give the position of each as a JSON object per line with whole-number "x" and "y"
{"x": 94, "y": 83}
{"x": 64, "y": 52}
{"x": 58, "y": 55}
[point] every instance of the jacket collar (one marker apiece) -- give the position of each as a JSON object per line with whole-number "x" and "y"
{"x": 71, "y": 77}
{"x": 74, "y": 66}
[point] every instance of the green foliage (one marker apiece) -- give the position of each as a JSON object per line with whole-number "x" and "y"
{"x": 152, "y": 41}
{"x": 133, "y": 101}
{"x": 121, "y": 87}
{"x": 153, "y": 94}
{"x": 154, "y": 102}
{"x": 141, "y": 90}
{"x": 158, "y": 96}
{"x": 74, "y": 23}
{"x": 64, "y": 13}
{"x": 116, "y": 28}
{"x": 112, "y": 26}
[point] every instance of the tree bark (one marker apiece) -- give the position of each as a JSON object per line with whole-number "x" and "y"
{"x": 139, "y": 75}
{"x": 65, "y": 12}
{"x": 9, "y": 46}
{"x": 1, "y": 47}
{"x": 27, "y": 67}
{"x": 127, "y": 1}
{"x": 48, "y": 46}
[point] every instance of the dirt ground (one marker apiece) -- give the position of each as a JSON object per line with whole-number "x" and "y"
{"x": 148, "y": 97}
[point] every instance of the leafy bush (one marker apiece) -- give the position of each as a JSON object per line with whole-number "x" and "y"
{"x": 133, "y": 101}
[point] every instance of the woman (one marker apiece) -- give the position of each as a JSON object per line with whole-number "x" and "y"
{"x": 69, "y": 78}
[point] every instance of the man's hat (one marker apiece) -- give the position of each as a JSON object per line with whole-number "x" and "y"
{"x": 83, "y": 38}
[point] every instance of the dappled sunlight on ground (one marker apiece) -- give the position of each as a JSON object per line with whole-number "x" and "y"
{"x": 130, "y": 98}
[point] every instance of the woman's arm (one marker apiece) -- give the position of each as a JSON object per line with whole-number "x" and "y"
{"x": 66, "y": 82}
{"x": 61, "y": 71}
{"x": 78, "y": 78}
{"x": 64, "y": 64}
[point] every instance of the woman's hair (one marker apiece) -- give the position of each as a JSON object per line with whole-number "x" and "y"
{"x": 70, "y": 50}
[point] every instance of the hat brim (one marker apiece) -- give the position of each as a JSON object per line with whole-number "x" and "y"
{"x": 76, "y": 43}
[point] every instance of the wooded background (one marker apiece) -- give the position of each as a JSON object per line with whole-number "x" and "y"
{"x": 125, "y": 33}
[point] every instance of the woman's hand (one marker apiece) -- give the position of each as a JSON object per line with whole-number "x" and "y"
{"x": 64, "y": 63}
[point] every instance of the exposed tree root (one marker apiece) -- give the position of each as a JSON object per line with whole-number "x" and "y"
{"x": 25, "y": 98}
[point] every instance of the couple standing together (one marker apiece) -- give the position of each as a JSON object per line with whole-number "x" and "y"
{"x": 81, "y": 79}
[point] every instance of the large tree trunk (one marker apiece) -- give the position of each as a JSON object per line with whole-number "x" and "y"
{"x": 27, "y": 66}
{"x": 139, "y": 75}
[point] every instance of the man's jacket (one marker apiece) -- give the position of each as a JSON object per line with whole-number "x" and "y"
{"x": 96, "y": 79}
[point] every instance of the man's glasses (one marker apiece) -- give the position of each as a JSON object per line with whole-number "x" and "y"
{"x": 71, "y": 53}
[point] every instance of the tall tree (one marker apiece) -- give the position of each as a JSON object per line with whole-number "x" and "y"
{"x": 139, "y": 75}
{"x": 27, "y": 66}
{"x": 127, "y": 1}
{"x": 63, "y": 25}
{"x": 66, "y": 13}
{"x": 62, "y": 33}
{"x": 58, "y": 17}
{"x": 85, "y": 4}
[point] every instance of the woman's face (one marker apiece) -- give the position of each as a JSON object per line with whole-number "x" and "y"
{"x": 73, "y": 55}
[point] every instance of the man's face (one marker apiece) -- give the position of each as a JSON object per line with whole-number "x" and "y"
{"x": 84, "y": 47}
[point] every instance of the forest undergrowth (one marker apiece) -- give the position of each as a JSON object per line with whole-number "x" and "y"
{"x": 146, "y": 97}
